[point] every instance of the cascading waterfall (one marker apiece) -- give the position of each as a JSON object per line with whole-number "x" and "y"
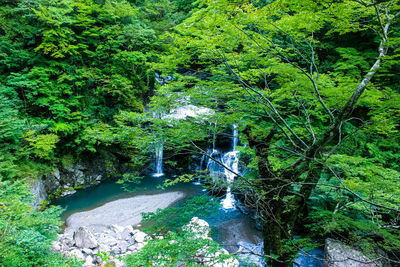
{"x": 213, "y": 167}
{"x": 230, "y": 160}
{"x": 159, "y": 160}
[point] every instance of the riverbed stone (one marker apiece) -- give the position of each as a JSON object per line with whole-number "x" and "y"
{"x": 126, "y": 234}
{"x": 87, "y": 251}
{"x": 76, "y": 253}
{"x": 338, "y": 254}
{"x": 140, "y": 237}
{"x": 108, "y": 240}
{"x": 123, "y": 245}
{"x": 84, "y": 238}
{"x": 248, "y": 253}
{"x": 104, "y": 248}
{"x": 88, "y": 261}
{"x": 198, "y": 226}
{"x": 117, "y": 229}
{"x": 116, "y": 250}
{"x": 55, "y": 246}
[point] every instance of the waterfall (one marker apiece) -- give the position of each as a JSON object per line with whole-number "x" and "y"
{"x": 159, "y": 160}
{"x": 235, "y": 136}
{"x": 199, "y": 168}
{"x": 213, "y": 167}
{"x": 230, "y": 160}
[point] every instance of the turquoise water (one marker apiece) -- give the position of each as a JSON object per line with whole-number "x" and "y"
{"x": 222, "y": 223}
{"x": 107, "y": 191}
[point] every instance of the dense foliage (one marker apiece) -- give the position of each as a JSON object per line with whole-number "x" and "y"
{"x": 313, "y": 86}
{"x": 66, "y": 66}
{"x": 25, "y": 232}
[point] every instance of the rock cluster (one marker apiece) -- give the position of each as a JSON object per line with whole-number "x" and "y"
{"x": 338, "y": 254}
{"x": 93, "y": 247}
{"x": 109, "y": 244}
{"x": 201, "y": 229}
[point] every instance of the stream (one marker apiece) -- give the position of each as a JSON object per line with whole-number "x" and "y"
{"x": 229, "y": 225}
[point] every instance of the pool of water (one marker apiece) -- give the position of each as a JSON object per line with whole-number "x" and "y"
{"x": 229, "y": 226}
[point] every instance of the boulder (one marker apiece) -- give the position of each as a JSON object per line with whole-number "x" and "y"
{"x": 76, "y": 253}
{"x": 104, "y": 248}
{"x": 246, "y": 254}
{"x": 198, "y": 226}
{"x": 126, "y": 234}
{"x": 56, "y": 246}
{"x": 123, "y": 245}
{"x": 88, "y": 261}
{"x": 140, "y": 236}
{"x": 338, "y": 254}
{"x": 116, "y": 250}
{"x": 106, "y": 239}
{"x": 116, "y": 228}
{"x": 84, "y": 238}
{"x": 87, "y": 251}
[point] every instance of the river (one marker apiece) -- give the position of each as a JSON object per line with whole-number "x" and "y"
{"x": 229, "y": 225}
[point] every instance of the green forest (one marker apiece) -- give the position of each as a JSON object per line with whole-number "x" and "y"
{"x": 311, "y": 86}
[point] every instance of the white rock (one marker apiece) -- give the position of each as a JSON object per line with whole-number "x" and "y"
{"x": 88, "y": 262}
{"x": 198, "y": 226}
{"x": 123, "y": 245}
{"x": 117, "y": 228}
{"x": 127, "y": 233}
{"x": 87, "y": 251}
{"x": 118, "y": 263}
{"x": 84, "y": 238}
{"x": 77, "y": 254}
{"x": 338, "y": 254}
{"x": 132, "y": 248}
{"x": 139, "y": 246}
{"x": 141, "y": 237}
{"x": 104, "y": 248}
{"x": 107, "y": 240}
{"x": 116, "y": 250}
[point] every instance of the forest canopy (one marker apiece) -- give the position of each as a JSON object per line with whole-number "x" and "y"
{"x": 313, "y": 87}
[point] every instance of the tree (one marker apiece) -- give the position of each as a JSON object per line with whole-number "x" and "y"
{"x": 261, "y": 66}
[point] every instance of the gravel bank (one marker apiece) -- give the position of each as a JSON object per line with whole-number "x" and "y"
{"x": 123, "y": 212}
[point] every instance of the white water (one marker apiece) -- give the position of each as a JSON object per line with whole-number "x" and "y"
{"x": 199, "y": 168}
{"x": 230, "y": 160}
{"x": 181, "y": 113}
{"x": 235, "y": 136}
{"x": 159, "y": 160}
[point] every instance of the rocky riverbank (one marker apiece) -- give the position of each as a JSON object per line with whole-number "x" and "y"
{"x": 96, "y": 248}
{"x": 115, "y": 242}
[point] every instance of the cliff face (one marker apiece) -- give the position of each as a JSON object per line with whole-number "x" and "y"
{"x": 64, "y": 180}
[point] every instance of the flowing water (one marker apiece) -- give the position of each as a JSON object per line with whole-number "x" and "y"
{"x": 229, "y": 226}
{"x": 159, "y": 160}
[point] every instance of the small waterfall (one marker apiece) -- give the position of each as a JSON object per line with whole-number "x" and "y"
{"x": 199, "y": 168}
{"x": 235, "y": 136}
{"x": 159, "y": 160}
{"x": 230, "y": 160}
{"x": 213, "y": 167}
